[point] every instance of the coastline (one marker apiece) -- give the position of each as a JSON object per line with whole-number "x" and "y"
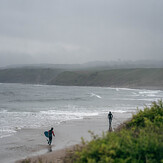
{"x": 68, "y": 135}
{"x": 31, "y": 143}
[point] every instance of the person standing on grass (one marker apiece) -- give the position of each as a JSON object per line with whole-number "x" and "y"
{"x": 50, "y": 133}
{"x": 110, "y": 117}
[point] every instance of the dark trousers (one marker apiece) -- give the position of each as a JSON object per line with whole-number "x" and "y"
{"x": 50, "y": 140}
{"x": 110, "y": 120}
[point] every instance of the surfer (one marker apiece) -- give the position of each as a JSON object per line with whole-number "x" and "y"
{"x": 110, "y": 117}
{"x": 50, "y": 133}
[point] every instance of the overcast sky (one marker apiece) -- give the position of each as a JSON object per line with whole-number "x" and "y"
{"x": 78, "y": 31}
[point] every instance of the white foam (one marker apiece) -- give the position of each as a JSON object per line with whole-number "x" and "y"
{"x": 149, "y": 99}
{"x": 124, "y": 89}
{"x": 95, "y": 95}
{"x": 117, "y": 89}
{"x": 3, "y": 111}
{"x": 13, "y": 121}
{"x": 120, "y": 111}
{"x": 5, "y": 132}
{"x": 36, "y": 109}
{"x": 127, "y": 89}
{"x": 39, "y": 85}
{"x": 66, "y": 115}
{"x": 149, "y": 93}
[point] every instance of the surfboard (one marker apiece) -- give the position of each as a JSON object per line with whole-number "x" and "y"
{"x": 46, "y": 133}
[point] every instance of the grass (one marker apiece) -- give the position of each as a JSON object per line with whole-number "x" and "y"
{"x": 115, "y": 78}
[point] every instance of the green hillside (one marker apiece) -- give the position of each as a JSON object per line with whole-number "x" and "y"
{"x": 133, "y": 78}
{"x": 28, "y": 75}
{"x": 113, "y": 78}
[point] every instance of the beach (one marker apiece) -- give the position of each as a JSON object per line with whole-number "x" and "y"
{"x": 31, "y": 143}
{"x": 26, "y": 111}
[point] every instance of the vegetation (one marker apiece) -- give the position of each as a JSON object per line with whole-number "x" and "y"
{"x": 112, "y": 78}
{"x": 28, "y": 75}
{"x": 139, "y": 141}
{"x": 132, "y": 78}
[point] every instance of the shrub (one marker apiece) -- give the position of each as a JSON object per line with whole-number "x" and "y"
{"x": 140, "y": 141}
{"x": 153, "y": 114}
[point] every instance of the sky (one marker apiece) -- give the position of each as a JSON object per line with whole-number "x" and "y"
{"x": 79, "y": 31}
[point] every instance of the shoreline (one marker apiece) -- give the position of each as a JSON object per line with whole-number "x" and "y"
{"x": 69, "y": 134}
{"x": 31, "y": 143}
{"x": 103, "y": 86}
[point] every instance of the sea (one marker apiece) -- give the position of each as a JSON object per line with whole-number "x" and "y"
{"x": 34, "y": 106}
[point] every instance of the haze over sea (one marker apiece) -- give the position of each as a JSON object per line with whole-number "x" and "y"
{"x": 34, "y": 106}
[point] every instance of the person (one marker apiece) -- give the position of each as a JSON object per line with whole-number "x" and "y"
{"x": 110, "y": 117}
{"x": 50, "y": 133}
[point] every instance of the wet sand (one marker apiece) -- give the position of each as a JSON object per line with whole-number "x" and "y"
{"x": 27, "y": 143}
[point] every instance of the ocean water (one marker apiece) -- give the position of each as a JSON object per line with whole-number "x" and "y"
{"x": 34, "y": 106}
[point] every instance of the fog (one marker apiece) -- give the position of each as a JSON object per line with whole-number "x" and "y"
{"x": 79, "y": 31}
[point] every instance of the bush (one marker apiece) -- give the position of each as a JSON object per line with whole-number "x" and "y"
{"x": 153, "y": 114}
{"x": 140, "y": 141}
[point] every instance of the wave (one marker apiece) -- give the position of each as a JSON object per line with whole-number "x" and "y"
{"x": 119, "y": 111}
{"x": 7, "y": 93}
{"x": 69, "y": 113}
{"x": 95, "y": 95}
{"x": 149, "y": 99}
{"x": 3, "y": 111}
{"x": 6, "y": 132}
{"x": 13, "y": 121}
{"x": 116, "y": 111}
{"x": 119, "y": 88}
{"x": 49, "y": 99}
{"x": 149, "y": 93}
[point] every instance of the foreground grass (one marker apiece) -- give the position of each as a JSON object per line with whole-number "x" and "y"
{"x": 141, "y": 140}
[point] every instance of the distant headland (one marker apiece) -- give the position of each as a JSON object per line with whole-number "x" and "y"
{"x": 88, "y": 75}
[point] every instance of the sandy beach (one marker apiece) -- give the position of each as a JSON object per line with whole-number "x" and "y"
{"x": 29, "y": 143}
{"x": 71, "y": 111}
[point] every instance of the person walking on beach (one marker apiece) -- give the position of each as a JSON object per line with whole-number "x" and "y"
{"x": 110, "y": 117}
{"x": 50, "y": 133}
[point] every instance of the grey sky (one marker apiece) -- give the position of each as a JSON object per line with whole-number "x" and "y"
{"x": 78, "y": 31}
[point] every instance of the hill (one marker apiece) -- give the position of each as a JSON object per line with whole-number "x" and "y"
{"x": 132, "y": 78}
{"x": 151, "y": 77}
{"x": 28, "y": 75}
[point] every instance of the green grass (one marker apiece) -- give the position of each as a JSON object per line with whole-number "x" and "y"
{"x": 28, "y": 75}
{"x": 114, "y": 78}
{"x": 140, "y": 141}
{"x": 135, "y": 78}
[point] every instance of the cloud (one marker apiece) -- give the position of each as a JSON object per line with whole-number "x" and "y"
{"x": 80, "y": 31}
{"x": 34, "y": 47}
{"x": 38, "y": 51}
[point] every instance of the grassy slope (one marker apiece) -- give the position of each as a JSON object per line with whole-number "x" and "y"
{"x": 116, "y": 77}
{"x": 152, "y": 77}
{"x": 28, "y": 75}
{"x": 141, "y": 140}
